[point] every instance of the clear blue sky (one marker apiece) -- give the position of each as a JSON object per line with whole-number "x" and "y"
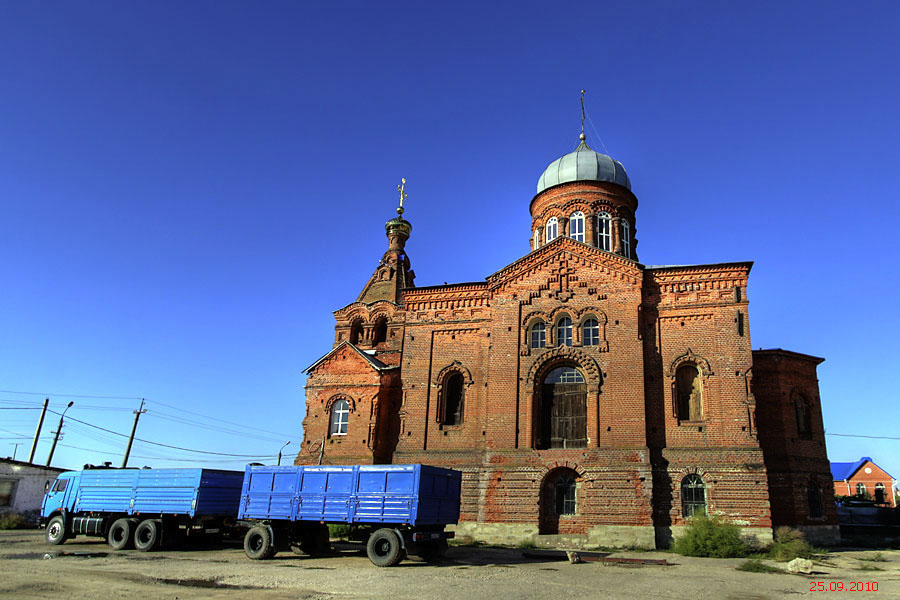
{"x": 189, "y": 189}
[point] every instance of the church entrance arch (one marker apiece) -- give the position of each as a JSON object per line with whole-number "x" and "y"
{"x": 562, "y": 409}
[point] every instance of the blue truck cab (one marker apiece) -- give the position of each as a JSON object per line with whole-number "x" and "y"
{"x": 400, "y": 509}
{"x": 140, "y": 507}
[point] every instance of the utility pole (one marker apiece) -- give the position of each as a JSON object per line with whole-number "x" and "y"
{"x": 58, "y": 431}
{"x": 37, "y": 433}
{"x": 280, "y": 449}
{"x": 16, "y": 449}
{"x": 137, "y": 415}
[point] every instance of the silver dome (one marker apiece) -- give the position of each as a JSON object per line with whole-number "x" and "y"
{"x": 583, "y": 165}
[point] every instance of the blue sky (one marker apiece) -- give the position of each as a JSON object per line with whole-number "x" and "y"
{"x": 189, "y": 189}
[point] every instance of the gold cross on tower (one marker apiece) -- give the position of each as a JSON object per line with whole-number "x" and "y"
{"x": 401, "y": 188}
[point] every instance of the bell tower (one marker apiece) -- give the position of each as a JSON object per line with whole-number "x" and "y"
{"x": 393, "y": 272}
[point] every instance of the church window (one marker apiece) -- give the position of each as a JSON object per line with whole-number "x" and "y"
{"x": 536, "y": 240}
{"x": 814, "y": 499}
{"x": 804, "y": 420}
{"x": 340, "y": 416}
{"x": 563, "y": 410}
{"x": 576, "y": 226}
{"x": 355, "y": 331}
{"x": 564, "y": 332}
{"x": 539, "y": 335}
{"x": 861, "y": 490}
{"x": 879, "y": 493}
{"x": 591, "y": 333}
{"x": 688, "y": 389}
{"x": 552, "y": 230}
{"x": 604, "y": 234}
{"x": 693, "y": 496}
{"x": 379, "y": 334}
{"x": 565, "y": 495}
{"x": 454, "y": 399}
{"x": 626, "y": 239}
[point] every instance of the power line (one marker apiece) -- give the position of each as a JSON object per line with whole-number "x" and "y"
{"x": 71, "y": 395}
{"x": 216, "y": 428}
{"x": 871, "y": 437}
{"x": 241, "y": 425}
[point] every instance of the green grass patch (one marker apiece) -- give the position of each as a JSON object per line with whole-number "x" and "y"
{"x": 755, "y": 565}
{"x": 790, "y": 544}
{"x": 13, "y": 521}
{"x": 877, "y": 557}
{"x": 711, "y": 537}
{"x": 867, "y": 567}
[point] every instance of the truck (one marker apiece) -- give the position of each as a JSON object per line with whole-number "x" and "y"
{"x": 396, "y": 509}
{"x": 141, "y": 508}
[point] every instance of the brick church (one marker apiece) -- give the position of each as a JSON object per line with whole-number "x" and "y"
{"x": 588, "y": 399}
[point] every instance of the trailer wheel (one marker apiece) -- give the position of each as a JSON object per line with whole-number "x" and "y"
{"x": 384, "y": 549}
{"x": 121, "y": 534}
{"x": 56, "y": 531}
{"x": 147, "y": 535}
{"x": 258, "y": 543}
{"x": 431, "y": 551}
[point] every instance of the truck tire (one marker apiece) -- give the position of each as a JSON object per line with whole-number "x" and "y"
{"x": 384, "y": 548}
{"x": 258, "y": 543}
{"x": 56, "y": 531}
{"x": 147, "y": 535}
{"x": 431, "y": 551}
{"x": 121, "y": 534}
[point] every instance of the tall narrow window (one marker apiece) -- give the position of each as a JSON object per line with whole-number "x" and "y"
{"x": 693, "y": 496}
{"x": 814, "y": 499}
{"x": 539, "y": 335}
{"x": 355, "y": 331}
{"x": 879, "y": 493}
{"x": 379, "y": 333}
{"x": 590, "y": 335}
{"x": 576, "y": 226}
{"x": 454, "y": 400}
{"x": 340, "y": 416}
{"x": 604, "y": 235}
{"x": 688, "y": 389}
{"x": 861, "y": 490}
{"x": 804, "y": 420}
{"x": 535, "y": 244}
{"x": 552, "y": 230}
{"x": 7, "y": 492}
{"x": 565, "y": 495}
{"x": 564, "y": 332}
{"x": 626, "y": 239}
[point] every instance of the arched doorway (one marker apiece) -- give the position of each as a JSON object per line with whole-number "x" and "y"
{"x": 562, "y": 414}
{"x": 559, "y": 498}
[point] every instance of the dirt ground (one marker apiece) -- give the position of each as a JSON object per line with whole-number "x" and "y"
{"x": 86, "y": 568}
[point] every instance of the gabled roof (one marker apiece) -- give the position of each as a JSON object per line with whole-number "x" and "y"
{"x": 373, "y": 362}
{"x": 842, "y": 471}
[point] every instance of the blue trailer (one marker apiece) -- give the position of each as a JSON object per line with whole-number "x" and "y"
{"x": 400, "y": 509}
{"x": 140, "y": 507}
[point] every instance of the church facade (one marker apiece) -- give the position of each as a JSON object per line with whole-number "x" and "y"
{"x": 586, "y": 397}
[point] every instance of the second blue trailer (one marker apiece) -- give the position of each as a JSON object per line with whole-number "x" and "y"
{"x": 401, "y": 508}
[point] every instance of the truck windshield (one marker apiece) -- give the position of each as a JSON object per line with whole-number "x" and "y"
{"x": 60, "y": 485}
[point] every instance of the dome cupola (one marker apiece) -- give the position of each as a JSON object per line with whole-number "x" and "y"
{"x": 583, "y": 164}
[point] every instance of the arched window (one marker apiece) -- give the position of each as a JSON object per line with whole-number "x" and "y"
{"x": 565, "y": 495}
{"x": 693, "y": 496}
{"x": 804, "y": 419}
{"x": 454, "y": 399}
{"x": 879, "y": 493}
{"x": 355, "y": 331}
{"x": 689, "y": 392}
{"x": 590, "y": 335}
{"x": 539, "y": 335}
{"x": 861, "y": 490}
{"x": 576, "y": 226}
{"x": 626, "y": 239}
{"x": 604, "y": 233}
{"x": 340, "y": 416}
{"x": 379, "y": 333}
{"x": 552, "y": 230}
{"x": 564, "y": 332}
{"x": 536, "y": 240}
{"x": 814, "y": 499}
{"x": 563, "y": 410}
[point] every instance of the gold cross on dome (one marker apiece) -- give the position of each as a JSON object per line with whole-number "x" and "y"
{"x": 401, "y": 188}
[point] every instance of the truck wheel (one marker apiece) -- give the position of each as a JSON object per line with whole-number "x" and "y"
{"x": 121, "y": 534}
{"x": 432, "y": 551}
{"x": 147, "y": 535}
{"x": 258, "y": 543}
{"x": 56, "y": 531}
{"x": 384, "y": 549}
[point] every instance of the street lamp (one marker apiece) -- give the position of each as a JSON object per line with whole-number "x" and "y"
{"x": 286, "y": 444}
{"x": 58, "y": 431}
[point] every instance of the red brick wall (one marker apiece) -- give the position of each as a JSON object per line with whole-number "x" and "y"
{"x": 878, "y": 475}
